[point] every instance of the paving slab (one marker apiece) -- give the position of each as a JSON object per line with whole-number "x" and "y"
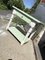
{"x": 10, "y": 48}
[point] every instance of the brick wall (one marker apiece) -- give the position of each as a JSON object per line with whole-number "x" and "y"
{"x": 43, "y": 1}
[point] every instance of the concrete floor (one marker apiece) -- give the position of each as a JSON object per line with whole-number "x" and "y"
{"x": 10, "y": 48}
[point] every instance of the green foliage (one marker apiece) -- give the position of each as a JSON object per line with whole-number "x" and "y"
{"x": 1, "y": 1}
{"x": 5, "y": 1}
{"x": 35, "y": 6}
{"x": 4, "y": 4}
{"x": 9, "y": 3}
{"x": 32, "y": 10}
{"x": 27, "y": 10}
{"x": 17, "y": 3}
{"x": 3, "y": 7}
